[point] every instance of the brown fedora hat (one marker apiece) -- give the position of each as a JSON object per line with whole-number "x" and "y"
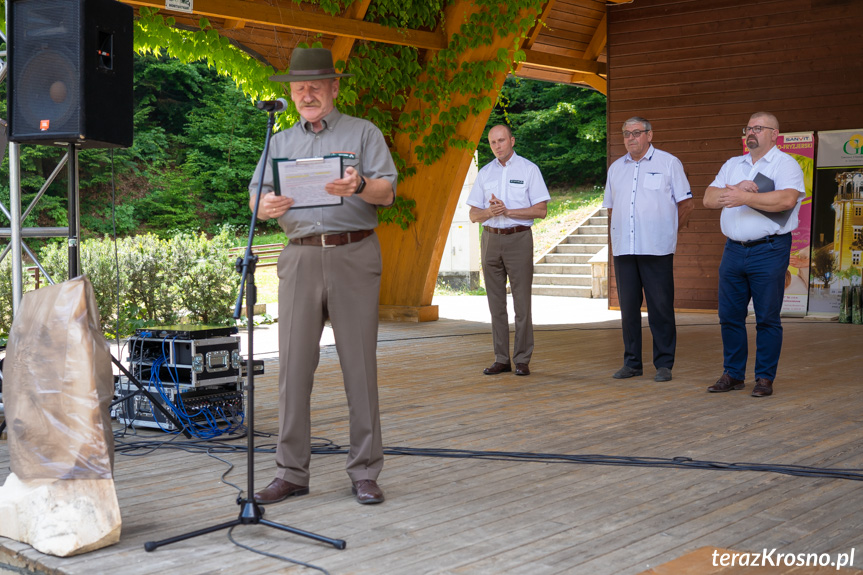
{"x": 310, "y": 64}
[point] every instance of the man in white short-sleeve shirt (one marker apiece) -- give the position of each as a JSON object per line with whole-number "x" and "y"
{"x": 508, "y": 195}
{"x": 648, "y": 200}
{"x": 760, "y": 195}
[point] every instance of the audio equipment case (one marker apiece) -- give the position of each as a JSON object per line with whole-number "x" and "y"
{"x": 192, "y": 362}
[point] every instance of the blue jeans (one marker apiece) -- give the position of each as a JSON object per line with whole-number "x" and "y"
{"x": 756, "y": 272}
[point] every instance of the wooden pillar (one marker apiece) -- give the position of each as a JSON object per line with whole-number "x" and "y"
{"x": 411, "y": 257}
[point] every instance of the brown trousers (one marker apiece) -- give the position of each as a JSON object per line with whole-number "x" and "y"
{"x": 341, "y": 283}
{"x": 509, "y": 256}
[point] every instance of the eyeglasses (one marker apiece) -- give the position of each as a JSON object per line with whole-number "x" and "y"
{"x": 634, "y": 133}
{"x": 755, "y": 129}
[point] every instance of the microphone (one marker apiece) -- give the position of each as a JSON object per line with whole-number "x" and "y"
{"x": 279, "y": 105}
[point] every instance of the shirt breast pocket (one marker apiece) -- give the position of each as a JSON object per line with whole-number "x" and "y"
{"x": 351, "y": 163}
{"x": 517, "y": 194}
{"x": 653, "y": 182}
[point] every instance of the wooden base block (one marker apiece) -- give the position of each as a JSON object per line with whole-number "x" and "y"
{"x": 408, "y": 313}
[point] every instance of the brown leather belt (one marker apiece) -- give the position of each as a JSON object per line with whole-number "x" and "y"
{"x": 332, "y": 240}
{"x": 506, "y": 231}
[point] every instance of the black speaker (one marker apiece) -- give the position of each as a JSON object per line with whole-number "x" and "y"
{"x": 70, "y": 72}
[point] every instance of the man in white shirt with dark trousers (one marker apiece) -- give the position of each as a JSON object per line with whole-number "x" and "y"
{"x": 648, "y": 200}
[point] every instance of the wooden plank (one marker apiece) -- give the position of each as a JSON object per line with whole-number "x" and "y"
{"x": 491, "y": 517}
{"x": 597, "y": 43}
{"x": 543, "y": 59}
{"x": 287, "y": 15}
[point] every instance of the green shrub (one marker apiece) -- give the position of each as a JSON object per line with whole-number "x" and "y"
{"x": 6, "y": 292}
{"x": 207, "y": 285}
{"x": 185, "y": 278}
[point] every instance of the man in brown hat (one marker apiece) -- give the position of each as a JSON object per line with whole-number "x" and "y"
{"x": 330, "y": 270}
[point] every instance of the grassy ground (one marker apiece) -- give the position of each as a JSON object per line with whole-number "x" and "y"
{"x": 567, "y": 208}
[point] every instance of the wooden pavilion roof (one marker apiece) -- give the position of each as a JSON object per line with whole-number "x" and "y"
{"x": 566, "y": 46}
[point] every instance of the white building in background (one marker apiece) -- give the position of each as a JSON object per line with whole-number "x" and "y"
{"x": 459, "y": 265}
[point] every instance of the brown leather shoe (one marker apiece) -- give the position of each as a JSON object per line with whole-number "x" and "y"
{"x": 497, "y": 368}
{"x": 279, "y": 490}
{"x": 367, "y": 491}
{"x": 726, "y": 383}
{"x": 763, "y": 387}
{"x": 522, "y": 369}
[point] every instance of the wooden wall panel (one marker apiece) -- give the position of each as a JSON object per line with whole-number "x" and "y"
{"x": 697, "y": 70}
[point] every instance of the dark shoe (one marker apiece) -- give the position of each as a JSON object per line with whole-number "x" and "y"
{"x": 763, "y": 387}
{"x": 726, "y": 383}
{"x": 279, "y": 490}
{"x": 522, "y": 369}
{"x": 625, "y": 372}
{"x": 497, "y": 368}
{"x": 662, "y": 374}
{"x": 367, "y": 491}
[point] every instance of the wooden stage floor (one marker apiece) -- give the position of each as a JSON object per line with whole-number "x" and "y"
{"x": 470, "y": 516}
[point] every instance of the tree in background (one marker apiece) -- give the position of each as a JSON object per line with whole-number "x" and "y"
{"x": 558, "y": 127}
{"x": 214, "y": 140}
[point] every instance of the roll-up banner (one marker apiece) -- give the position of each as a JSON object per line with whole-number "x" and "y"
{"x": 837, "y": 228}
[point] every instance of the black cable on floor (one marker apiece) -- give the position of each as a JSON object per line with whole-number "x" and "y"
{"x": 274, "y": 556}
{"x": 323, "y": 446}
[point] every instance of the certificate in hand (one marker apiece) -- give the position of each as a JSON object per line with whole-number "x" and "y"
{"x": 304, "y": 180}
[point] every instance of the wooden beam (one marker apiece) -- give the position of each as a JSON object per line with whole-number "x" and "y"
{"x": 546, "y": 60}
{"x": 534, "y": 32}
{"x": 537, "y": 28}
{"x": 234, "y": 24}
{"x": 598, "y": 83}
{"x": 285, "y": 15}
{"x": 408, "y": 289}
{"x": 597, "y": 43}
{"x": 343, "y": 45}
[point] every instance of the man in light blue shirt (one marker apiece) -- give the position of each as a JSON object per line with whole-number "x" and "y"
{"x": 648, "y": 200}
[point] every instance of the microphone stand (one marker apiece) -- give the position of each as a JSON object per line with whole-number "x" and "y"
{"x": 251, "y": 512}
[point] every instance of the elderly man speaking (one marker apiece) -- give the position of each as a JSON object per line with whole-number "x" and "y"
{"x": 331, "y": 269}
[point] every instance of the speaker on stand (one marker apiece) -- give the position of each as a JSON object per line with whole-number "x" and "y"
{"x": 69, "y": 83}
{"x": 70, "y": 72}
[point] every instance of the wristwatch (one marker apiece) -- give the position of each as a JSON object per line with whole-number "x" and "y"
{"x": 362, "y": 186}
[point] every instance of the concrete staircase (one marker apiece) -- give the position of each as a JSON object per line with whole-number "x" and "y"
{"x": 564, "y": 269}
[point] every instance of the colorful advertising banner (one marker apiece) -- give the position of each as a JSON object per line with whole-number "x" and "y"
{"x": 801, "y": 147}
{"x": 837, "y": 235}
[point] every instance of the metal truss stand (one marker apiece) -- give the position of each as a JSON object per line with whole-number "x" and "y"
{"x": 17, "y": 234}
